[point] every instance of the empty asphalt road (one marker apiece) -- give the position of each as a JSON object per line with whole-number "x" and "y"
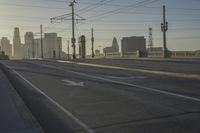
{"x": 74, "y": 98}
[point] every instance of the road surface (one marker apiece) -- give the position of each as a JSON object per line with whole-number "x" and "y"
{"x": 68, "y": 97}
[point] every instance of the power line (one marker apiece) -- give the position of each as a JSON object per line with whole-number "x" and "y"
{"x": 119, "y": 10}
{"x": 172, "y": 8}
{"x": 32, "y": 6}
{"x": 58, "y": 1}
{"x": 94, "y": 6}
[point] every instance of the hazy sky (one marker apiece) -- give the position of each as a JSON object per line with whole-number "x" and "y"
{"x": 109, "y": 18}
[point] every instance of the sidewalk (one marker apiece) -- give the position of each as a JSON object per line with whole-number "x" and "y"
{"x": 14, "y": 115}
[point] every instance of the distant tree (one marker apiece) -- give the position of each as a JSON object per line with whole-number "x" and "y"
{"x": 3, "y": 56}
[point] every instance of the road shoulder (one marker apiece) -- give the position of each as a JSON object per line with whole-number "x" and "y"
{"x": 15, "y": 116}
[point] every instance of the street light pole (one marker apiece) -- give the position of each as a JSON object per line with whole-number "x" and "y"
{"x": 92, "y": 39}
{"x": 68, "y": 49}
{"x": 73, "y": 34}
{"x": 41, "y": 41}
{"x": 33, "y": 49}
{"x": 164, "y": 28}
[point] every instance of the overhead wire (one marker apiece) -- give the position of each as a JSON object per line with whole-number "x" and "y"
{"x": 123, "y": 11}
{"x": 94, "y": 6}
{"x": 119, "y": 10}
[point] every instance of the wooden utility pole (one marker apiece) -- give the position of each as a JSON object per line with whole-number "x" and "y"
{"x": 92, "y": 39}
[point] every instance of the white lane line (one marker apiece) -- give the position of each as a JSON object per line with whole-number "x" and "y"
{"x": 124, "y": 83}
{"x": 138, "y": 86}
{"x": 174, "y": 74}
{"x": 83, "y": 125}
{"x": 127, "y": 84}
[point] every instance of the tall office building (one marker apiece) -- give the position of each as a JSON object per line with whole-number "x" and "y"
{"x": 132, "y": 44}
{"x": 37, "y": 47}
{"x": 52, "y": 45}
{"x": 6, "y": 46}
{"x": 18, "y": 52}
{"x": 115, "y": 45}
{"x": 113, "y": 48}
{"x": 29, "y": 51}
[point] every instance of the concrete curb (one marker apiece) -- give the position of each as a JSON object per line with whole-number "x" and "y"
{"x": 171, "y": 74}
{"x": 25, "y": 114}
{"x": 51, "y": 119}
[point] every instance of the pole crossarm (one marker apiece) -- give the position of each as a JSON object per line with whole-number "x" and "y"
{"x": 60, "y": 18}
{"x": 70, "y": 16}
{"x": 66, "y": 17}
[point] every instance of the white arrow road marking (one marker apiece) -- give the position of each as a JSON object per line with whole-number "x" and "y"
{"x": 124, "y": 83}
{"x": 72, "y": 83}
{"x": 73, "y": 117}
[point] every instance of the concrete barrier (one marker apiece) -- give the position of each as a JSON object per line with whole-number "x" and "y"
{"x": 129, "y": 55}
{"x": 185, "y": 54}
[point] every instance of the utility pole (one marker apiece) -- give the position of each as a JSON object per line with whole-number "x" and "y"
{"x": 33, "y": 49}
{"x": 92, "y": 39}
{"x": 73, "y": 34}
{"x": 164, "y": 28}
{"x": 66, "y": 17}
{"x": 68, "y": 49}
{"x": 41, "y": 41}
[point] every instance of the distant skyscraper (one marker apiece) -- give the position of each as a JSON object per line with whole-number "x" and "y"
{"x": 115, "y": 45}
{"x": 6, "y": 46}
{"x": 18, "y": 52}
{"x": 113, "y": 48}
{"x": 132, "y": 44}
{"x": 52, "y": 45}
{"x": 37, "y": 48}
{"x": 17, "y": 39}
{"x": 29, "y": 51}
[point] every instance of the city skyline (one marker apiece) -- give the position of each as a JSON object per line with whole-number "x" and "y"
{"x": 31, "y": 48}
{"x": 109, "y": 18}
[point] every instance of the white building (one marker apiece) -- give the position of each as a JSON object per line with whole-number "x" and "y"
{"x": 29, "y": 45}
{"x": 6, "y": 46}
{"x": 52, "y": 45}
{"x": 37, "y": 47}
